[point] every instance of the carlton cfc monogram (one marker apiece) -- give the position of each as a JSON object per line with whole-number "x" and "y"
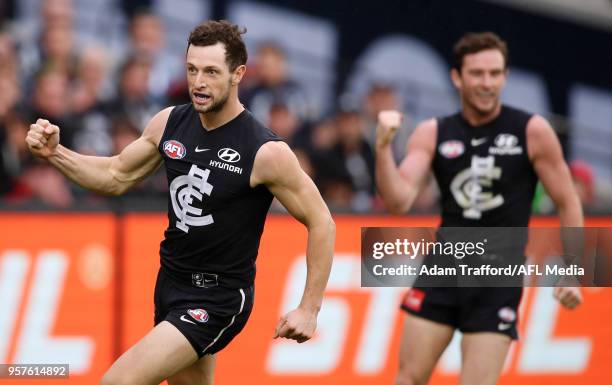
{"x": 183, "y": 190}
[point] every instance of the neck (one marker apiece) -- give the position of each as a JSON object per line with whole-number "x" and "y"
{"x": 475, "y": 118}
{"x": 214, "y": 119}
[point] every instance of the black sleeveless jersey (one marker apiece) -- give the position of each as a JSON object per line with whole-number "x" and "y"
{"x": 215, "y": 217}
{"x": 484, "y": 173}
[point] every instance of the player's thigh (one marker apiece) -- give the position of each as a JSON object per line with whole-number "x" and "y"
{"x": 199, "y": 373}
{"x": 423, "y": 342}
{"x": 482, "y": 357}
{"x": 160, "y": 354}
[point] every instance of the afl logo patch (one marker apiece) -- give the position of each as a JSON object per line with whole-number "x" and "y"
{"x": 199, "y": 315}
{"x": 451, "y": 148}
{"x": 228, "y": 155}
{"x": 174, "y": 149}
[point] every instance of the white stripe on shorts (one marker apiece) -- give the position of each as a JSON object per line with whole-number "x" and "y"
{"x": 230, "y": 324}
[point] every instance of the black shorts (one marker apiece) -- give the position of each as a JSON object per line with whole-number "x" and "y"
{"x": 469, "y": 309}
{"x": 208, "y": 317}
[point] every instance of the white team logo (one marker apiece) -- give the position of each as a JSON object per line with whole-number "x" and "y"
{"x": 183, "y": 190}
{"x": 506, "y": 144}
{"x": 228, "y": 155}
{"x": 468, "y": 187}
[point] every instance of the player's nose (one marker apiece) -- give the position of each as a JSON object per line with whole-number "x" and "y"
{"x": 487, "y": 81}
{"x": 199, "y": 82}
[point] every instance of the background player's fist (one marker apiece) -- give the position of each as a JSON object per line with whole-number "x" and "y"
{"x": 298, "y": 324}
{"x": 389, "y": 122}
{"x": 570, "y": 297}
{"x": 43, "y": 138}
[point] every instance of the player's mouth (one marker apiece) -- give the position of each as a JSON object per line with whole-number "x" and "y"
{"x": 201, "y": 97}
{"x": 486, "y": 97}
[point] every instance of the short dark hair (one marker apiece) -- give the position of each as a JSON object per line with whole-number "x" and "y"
{"x": 475, "y": 42}
{"x": 212, "y": 32}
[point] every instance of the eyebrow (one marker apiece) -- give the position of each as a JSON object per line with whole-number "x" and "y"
{"x": 204, "y": 68}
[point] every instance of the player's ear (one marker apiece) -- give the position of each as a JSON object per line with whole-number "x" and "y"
{"x": 238, "y": 74}
{"x": 456, "y": 78}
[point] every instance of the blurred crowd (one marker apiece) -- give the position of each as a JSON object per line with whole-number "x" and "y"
{"x": 102, "y": 99}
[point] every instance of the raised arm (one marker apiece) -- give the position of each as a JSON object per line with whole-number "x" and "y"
{"x": 547, "y": 158}
{"x": 399, "y": 186}
{"x": 277, "y": 167}
{"x": 105, "y": 175}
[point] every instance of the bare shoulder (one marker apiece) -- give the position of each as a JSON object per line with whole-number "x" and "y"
{"x": 538, "y": 125}
{"x": 273, "y": 161}
{"x": 424, "y": 135}
{"x": 540, "y": 136}
{"x": 155, "y": 128}
{"x": 427, "y": 127}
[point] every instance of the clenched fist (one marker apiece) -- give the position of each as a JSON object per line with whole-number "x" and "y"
{"x": 389, "y": 122}
{"x": 297, "y": 325}
{"x": 569, "y": 297}
{"x": 43, "y": 138}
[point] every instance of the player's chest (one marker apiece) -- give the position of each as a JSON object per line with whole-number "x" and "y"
{"x": 218, "y": 168}
{"x": 492, "y": 157}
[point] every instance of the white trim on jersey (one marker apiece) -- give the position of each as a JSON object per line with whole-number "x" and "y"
{"x": 230, "y": 324}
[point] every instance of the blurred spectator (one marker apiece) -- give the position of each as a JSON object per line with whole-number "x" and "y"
{"x": 57, "y": 12}
{"x": 382, "y": 97}
{"x": 147, "y": 39}
{"x": 50, "y": 100}
{"x": 57, "y": 49}
{"x": 133, "y": 98}
{"x": 48, "y": 39}
{"x": 323, "y": 136}
{"x": 91, "y": 93}
{"x": 8, "y": 100}
{"x": 273, "y": 86}
{"x": 312, "y": 146}
{"x": 30, "y": 179}
{"x": 8, "y": 55}
{"x": 283, "y": 121}
{"x": 123, "y": 132}
{"x": 352, "y": 156}
{"x": 92, "y": 84}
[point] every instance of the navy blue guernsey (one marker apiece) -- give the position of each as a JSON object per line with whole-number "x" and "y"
{"x": 484, "y": 173}
{"x": 215, "y": 217}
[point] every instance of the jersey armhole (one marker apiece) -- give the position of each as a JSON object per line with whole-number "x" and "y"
{"x": 171, "y": 120}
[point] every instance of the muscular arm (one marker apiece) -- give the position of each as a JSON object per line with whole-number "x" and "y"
{"x": 277, "y": 167}
{"x": 106, "y": 175}
{"x": 399, "y": 186}
{"x": 547, "y": 158}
